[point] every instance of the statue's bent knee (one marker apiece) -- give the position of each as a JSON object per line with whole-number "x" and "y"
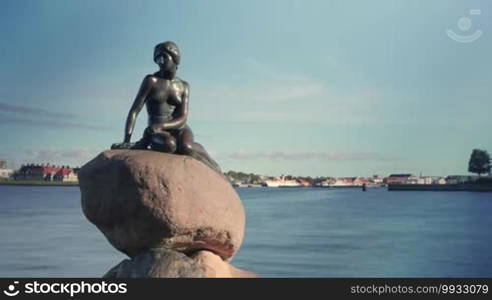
{"x": 165, "y": 143}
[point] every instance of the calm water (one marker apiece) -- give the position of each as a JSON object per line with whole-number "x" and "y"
{"x": 290, "y": 232}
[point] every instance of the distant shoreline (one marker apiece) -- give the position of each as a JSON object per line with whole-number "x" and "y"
{"x": 37, "y": 183}
{"x": 459, "y": 187}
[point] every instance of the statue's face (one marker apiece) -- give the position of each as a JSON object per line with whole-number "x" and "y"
{"x": 165, "y": 62}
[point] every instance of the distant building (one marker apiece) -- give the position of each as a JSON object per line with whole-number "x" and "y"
{"x": 324, "y": 181}
{"x": 303, "y": 182}
{"x": 439, "y": 180}
{"x": 377, "y": 179}
{"x": 4, "y": 172}
{"x": 46, "y": 173}
{"x": 359, "y": 181}
{"x": 455, "y": 179}
{"x": 66, "y": 174}
{"x": 425, "y": 180}
{"x": 397, "y": 178}
{"x": 344, "y": 181}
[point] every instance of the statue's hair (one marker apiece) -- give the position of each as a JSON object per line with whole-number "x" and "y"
{"x": 170, "y": 48}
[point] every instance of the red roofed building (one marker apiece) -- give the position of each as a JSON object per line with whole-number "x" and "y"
{"x": 46, "y": 173}
{"x": 66, "y": 174}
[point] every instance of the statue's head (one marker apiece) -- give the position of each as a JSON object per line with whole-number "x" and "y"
{"x": 167, "y": 56}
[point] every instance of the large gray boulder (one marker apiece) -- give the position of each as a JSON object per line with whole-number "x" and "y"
{"x": 144, "y": 199}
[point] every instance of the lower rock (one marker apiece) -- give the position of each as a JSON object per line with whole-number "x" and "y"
{"x": 166, "y": 263}
{"x": 214, "y": 266}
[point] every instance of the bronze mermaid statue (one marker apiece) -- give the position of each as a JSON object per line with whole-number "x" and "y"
{"x": 166, "y": 98}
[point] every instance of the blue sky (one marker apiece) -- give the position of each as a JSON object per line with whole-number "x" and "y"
{"x": 335, "y": 88}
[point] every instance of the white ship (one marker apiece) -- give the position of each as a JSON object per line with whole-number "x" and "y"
{"x": 282, "y": 182}
{"x": 346, "y": 182}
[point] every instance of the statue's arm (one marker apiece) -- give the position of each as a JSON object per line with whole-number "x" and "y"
{"x": 182, "y": 115}
{"x": 139, "y": 102}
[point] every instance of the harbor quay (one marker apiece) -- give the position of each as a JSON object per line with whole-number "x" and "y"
{"x": 48, "y": 174}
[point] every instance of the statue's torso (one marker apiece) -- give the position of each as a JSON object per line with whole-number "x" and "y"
{"x": 164, "y": 99}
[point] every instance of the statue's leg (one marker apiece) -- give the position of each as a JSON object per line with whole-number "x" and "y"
{"x": 144, "y": 142}
{"x": 164, "y": 142}
{"x": 198, "y": 147}
{"x": 185, "y": 141}
{"x": 187, "y": 146}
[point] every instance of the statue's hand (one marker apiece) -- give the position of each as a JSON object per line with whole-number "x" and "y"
{"x": 155, "y": 128}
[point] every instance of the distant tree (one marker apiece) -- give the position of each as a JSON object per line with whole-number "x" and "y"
{"x": 479, "y": 162}
{"x": 253, "y": 178}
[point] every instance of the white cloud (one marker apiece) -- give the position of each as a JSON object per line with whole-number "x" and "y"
{"x": 306, "y": 155}
{"x": 275, "y": 96}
